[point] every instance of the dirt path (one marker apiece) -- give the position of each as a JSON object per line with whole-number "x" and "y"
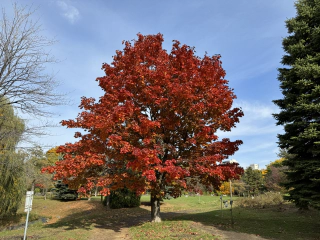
{"x": 228, "y": 234}
{"x": 102, "y": 234}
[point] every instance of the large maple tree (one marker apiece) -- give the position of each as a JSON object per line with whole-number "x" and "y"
{"x": 155, "y": 126}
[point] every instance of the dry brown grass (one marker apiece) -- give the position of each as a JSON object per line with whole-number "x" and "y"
{"x": 269, "y": 199}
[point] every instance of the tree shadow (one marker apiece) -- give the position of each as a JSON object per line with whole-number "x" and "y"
{"x": 275, "y": 223}
{"x": 101, "y": 217}
{"x": 11, "y": 221}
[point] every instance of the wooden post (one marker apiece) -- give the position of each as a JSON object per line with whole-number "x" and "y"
{"x": 231, "y": 203}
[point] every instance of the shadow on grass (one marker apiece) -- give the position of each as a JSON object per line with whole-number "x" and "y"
{"x": 101, "y": 217}
{"x": 17, "y": 221}
{"x": 283, "y": 223}
{"x": 277, "y": 223}
{"x": 8, "y": 221}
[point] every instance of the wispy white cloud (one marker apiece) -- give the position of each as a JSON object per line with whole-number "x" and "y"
{"x": 70, "y": 12}
{"x": 258, "y": 131}
{"x": 259, "y": 147}
{"x": 257, "y": 120}
{"x": 256, "y": 110}
{"x": 250, "y": 129}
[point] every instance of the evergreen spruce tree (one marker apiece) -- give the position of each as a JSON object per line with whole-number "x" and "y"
{"x": 300, "y": 106}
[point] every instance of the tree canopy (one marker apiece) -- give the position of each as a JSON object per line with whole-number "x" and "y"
{"x": 254, "y": 180}
{"x": 24, "y": 83}
{"x": 11, "y": 162}
{"x": 35, "y": 160}
{"x": 156, "y": 123}
{"x": 275, "y": 175}
{"x": 300, "y": 106}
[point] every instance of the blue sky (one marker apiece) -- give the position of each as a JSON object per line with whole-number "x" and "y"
{"x": 246, "y": 33}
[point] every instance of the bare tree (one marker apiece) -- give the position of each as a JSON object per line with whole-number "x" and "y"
{"x": 24, "y": 55}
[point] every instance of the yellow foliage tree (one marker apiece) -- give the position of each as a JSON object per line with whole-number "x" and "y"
{"x": 225, "y": 188}
{"x": 264, "y": 172}
{"x": 53, "y": 156}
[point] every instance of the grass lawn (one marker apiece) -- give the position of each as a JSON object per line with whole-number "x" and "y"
{"x": 70, "y": 219}
{"x": 53, "y": 210}
{"x": 279, "y": 222}
{"x": 183, "y": 218}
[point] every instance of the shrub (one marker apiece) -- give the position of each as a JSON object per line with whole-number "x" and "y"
{"x": 268, "y": 199}
{"x": 123, "y": 198}
{"x": 37, "y": 190}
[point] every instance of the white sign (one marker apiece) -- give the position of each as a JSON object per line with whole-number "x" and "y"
{"x": 29, "y": 198}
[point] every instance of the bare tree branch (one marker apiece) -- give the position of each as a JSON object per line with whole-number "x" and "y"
{"x": 23, "y": 60}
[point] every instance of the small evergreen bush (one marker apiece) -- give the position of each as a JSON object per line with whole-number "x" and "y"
{"x": 122, "y": 198}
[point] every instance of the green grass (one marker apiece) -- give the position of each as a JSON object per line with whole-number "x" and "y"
{"x": 197, "y": 203}
{"x": 277, "y": 222}
{"x": 267, "y": 223}
{"x": 48, "y": 209}
{"x": 183, "y": 218}
{"x": 67, "y": 222}
{"x": 170, "y": 230}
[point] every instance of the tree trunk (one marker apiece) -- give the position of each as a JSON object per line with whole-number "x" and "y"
{"x": 155, "y": 208}
{"x": 45, "y": 194}
{"x": 107, "y": 201}
{"x": 32, "y": 186}
{"x": 96, "y": 191}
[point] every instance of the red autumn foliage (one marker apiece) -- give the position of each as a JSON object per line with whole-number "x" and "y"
{"x": 39, "y": 185}
{"x": 156, "y": 123}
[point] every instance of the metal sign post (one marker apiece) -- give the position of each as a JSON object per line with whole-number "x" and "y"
{"x": 27, "y": 208}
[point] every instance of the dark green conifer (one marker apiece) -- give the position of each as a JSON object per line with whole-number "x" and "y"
{"x": 300, "y": 106}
